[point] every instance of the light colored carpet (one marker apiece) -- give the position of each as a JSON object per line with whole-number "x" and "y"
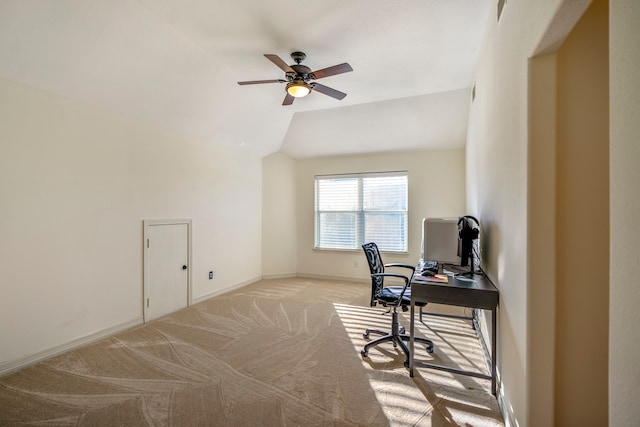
{"x": 275, "y": 353}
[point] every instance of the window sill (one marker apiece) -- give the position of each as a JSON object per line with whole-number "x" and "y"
{"x": 358, "y": 250}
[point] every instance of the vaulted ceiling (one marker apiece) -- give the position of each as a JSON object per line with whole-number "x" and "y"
{"x": 176, "y": 63}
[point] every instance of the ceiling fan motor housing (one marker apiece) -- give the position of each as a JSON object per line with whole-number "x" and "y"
{"x": 302, "y": 72}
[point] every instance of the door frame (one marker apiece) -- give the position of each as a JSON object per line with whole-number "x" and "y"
{"x": 147, "y": 224}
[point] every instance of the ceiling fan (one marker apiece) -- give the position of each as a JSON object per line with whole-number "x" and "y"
{"x": 299, "y": 78}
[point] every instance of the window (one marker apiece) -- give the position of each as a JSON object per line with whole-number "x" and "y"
{"x": 354, "y": 209}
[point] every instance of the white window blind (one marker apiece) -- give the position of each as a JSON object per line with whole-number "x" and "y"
{"x": 354, "y": 209}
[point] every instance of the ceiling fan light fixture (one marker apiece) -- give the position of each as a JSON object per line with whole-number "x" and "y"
{"x": 298, "y": 89}
{"x": 297, "y": 78}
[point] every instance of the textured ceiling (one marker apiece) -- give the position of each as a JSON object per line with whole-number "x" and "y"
{"x": 176, "y": 63}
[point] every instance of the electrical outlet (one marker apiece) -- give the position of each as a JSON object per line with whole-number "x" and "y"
{"x": 210, "y": 275}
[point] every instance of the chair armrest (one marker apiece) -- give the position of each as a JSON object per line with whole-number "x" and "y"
{"x": 410, "y": 267}
{"x": 397, "y": 264}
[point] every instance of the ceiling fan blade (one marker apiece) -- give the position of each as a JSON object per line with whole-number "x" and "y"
{"x": 328, "y": 91}
{"x": 288, "y": 99}
{"x": 279, "y": 62}
{"x": 258, "y": 82}
{"x": 331, "y": 71}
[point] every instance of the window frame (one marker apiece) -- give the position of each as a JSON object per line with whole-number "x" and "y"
{"x": 361, "y": 213}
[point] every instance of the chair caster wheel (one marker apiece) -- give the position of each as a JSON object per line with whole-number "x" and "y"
{"x": 429, "y": 348}
{"x": 402, "y": 330}
{"x": 364, "y": 353}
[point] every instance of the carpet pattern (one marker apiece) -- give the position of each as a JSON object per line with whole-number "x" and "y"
{"x": 275, "y": 353}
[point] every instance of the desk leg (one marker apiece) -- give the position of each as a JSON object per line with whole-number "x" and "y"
{"x": 411, "y": 335}
{"x": 493, "y": 350}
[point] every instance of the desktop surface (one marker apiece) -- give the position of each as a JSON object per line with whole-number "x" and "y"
{"x": 466, "y": 291}
{"x": 474, "y": 291}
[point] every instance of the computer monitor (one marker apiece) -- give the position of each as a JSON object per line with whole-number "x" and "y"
{"x": 440, "y": 240}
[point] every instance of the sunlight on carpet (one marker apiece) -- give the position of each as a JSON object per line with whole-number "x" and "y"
{"x": 450, "y": 399}
{"x": 282, "y": 352}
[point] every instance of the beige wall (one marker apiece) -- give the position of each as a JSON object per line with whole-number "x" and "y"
{"x": 624, "y": 369}
{"x": 500, "y": 164}
{"x": 76, "y": 182}
{"x": 541, "y": 292}
{"x": 436, "y": 189}
{"x": 279, "y": 252}
{"x": 582, "y": 227}
{"x": 582, "y": 222}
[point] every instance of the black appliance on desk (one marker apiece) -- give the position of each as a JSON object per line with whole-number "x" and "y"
{"x": 468, "y": 233}
{"x": 452, "y": 242}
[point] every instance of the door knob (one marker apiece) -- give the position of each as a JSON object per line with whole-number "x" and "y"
{"x": 184, "y": 267}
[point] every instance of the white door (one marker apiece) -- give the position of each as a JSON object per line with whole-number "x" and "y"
{"x": 166, "y": 272}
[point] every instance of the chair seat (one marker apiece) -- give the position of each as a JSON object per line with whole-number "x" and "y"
{"x": 390, "y": 295}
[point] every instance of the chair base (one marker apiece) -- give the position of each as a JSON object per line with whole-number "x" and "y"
{"x": 396, "y": 336}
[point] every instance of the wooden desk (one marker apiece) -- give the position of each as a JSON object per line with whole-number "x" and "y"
{"x": 476, "y": 292}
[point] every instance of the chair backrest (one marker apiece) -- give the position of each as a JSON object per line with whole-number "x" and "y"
{"x": 375, "y": 266}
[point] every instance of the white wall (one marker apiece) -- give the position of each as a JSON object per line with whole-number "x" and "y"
{"x": 498, "y": 186}
{"x": 624, "y": 370}
{"x": 279, "y": 252}
{"x": 436, "y": 189}
{"x": 76, "y": 182}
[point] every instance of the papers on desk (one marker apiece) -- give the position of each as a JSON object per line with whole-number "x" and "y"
{"x": 436, "y": 278}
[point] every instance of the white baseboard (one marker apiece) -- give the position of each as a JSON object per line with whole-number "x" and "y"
{"x": 279, "y": 276}
{"x": 225, "y": 290}
{"x": 480, "y": 324}
{"x": 318, "y": 277}
{"x": 507, "y": 413}
{"x": 340, "y": 278}
{"x": 275, "y": 276}
{"x": 23, "y": 362}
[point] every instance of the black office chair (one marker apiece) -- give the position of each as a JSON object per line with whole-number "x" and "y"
{"x": 392, "y": 297}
